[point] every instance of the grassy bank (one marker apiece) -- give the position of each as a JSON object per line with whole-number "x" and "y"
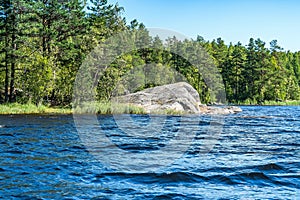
{"x": 99, "y": 108}
{"x": 16, "y": 108}
{"x": 103, "y": 108}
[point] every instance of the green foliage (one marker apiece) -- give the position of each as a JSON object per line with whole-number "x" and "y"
{"x": 37, "y": 80}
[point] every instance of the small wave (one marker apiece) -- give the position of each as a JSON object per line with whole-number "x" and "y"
{"x": 172, "y": 177}
{"x": 24, "y": 173}
{"x": 259, "y": 178}
{"x": 179, "y": 177}
{"x": 78, "y": 147}
{"x": 76, "y": 174}
{"x": 254, "y": 176}
{"x": 172, "y": 196}
{"x": 141, "y": 147}
{"x": 14, "y": 152}
{"x": 7, "y": 134}
{"x": 74, "y": 149}
{"x": 227, "y": 180}
{"x": 271, "y": 166}
{"x": 289, "y": 131}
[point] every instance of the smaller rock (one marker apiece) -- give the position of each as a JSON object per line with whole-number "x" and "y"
{"x": 217, "y": 110}
{"x": 234, "y": 109}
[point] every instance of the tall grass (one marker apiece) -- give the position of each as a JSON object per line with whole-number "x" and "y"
{"x": 118, "y": 108}
{"x": 88, "y": 108}
{"x": 105, "y": 108}
{"x": 16, "y": 108}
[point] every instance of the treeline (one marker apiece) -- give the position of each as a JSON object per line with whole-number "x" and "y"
{"x": 255, "y": 73}
{"x": 44, "y": 42}
{"x": 251, "y": 74}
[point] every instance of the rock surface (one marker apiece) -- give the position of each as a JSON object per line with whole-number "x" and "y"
{"x": 216, "y": 110}
{"x": 179, "y": 97}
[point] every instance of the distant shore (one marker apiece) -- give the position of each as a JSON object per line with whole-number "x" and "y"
{"x": 272, "y": 103}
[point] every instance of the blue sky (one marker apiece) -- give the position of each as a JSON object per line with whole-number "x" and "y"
{"x": 232, "y": 20}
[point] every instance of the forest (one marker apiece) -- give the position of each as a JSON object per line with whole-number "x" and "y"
{"x": 43, "y": 43}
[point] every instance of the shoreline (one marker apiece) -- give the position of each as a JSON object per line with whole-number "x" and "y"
{"x": 31, "y": 109}
{"x": 102, "y": 109}
{"x": 271, "y": 103}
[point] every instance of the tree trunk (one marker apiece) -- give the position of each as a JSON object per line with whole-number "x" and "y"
{"x": 6, "y": 98}
{"x": 6, "y": 79}
{"x": 13, "y": 63}
{"x": 12, "y": 83}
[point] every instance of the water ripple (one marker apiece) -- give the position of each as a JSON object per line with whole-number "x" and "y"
{"x": 257, "y": 156}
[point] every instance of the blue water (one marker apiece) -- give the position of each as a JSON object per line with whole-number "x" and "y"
{"x": 255, "y": 156}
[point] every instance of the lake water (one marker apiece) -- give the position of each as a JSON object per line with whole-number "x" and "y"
{"x": 255, "y": 156}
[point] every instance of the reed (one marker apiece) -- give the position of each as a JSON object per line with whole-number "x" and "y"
{"x": 105, "y": 108}
{"x": 16, "y": 108}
